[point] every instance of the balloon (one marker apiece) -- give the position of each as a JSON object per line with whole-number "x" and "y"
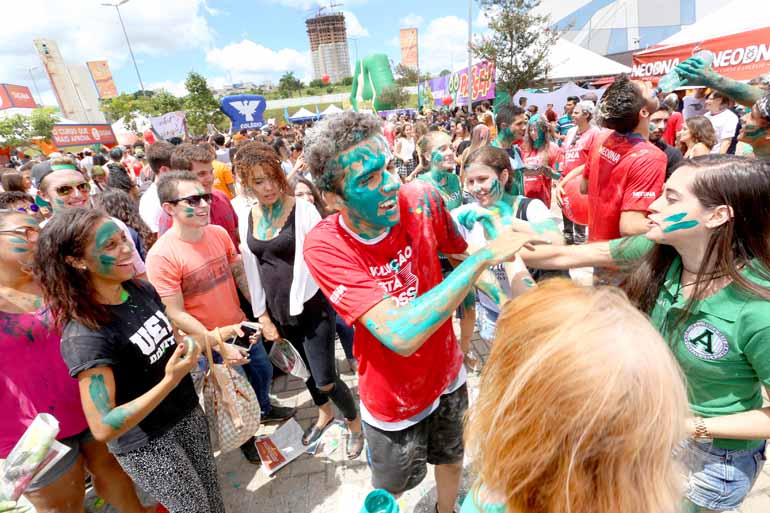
{"x": 574, "y": 204}
{"x": 447, "y": 100}
{"x": 325, "y": 79}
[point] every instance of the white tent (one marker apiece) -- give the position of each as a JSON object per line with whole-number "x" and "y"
{"x": 302, "y": 115}
{"x": 735, "y": 17}
{"x": 569, "y": 60}
{"x": 331, "y": 109}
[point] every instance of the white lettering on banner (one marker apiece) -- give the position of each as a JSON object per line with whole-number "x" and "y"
{"x": 394, "y": 265}
{"x": 154, "y": 337}
{"x": 81, "y": 135}
{"x": 610, "y": 155}
{"x": 751, "y": 54}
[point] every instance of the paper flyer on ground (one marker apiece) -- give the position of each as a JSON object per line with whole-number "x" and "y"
{"x": 280, "y": 448}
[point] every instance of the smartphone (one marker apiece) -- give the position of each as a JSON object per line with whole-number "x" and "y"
{"x": 248, "y": 328}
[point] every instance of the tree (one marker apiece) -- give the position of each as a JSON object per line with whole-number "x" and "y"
{"x": 316, "y": 83}
{"x": 41, "y": 122}
{"x": 347, "y": 81}
{"x": 200, "y": 105}
{"x": 18, "y": 130}
{"x": 407, "y": 75}
{"x": 519, "y": 43}
{"x": 394, "y": 95}
{"x": 444, "y": 72}
{"x": 289, "y": 83}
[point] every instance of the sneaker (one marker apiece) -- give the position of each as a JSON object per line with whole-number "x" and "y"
{"x": 250, "y": 452}
{"x": 278, "y": 414}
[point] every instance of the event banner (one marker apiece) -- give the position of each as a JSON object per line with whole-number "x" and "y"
{"x": 452, "y": 89}
{"x": 16, "y": 96}
{"x": 409, "y": 52}
{"x": 741, "y": 56}
{"x": 82, "y": 135}
{"x": 173, "y": 124}
{"x": 102, "y": 76}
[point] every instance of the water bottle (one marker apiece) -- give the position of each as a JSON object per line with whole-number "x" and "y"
{"x": 380, "y": 501}
{"x": 672, "y": 80}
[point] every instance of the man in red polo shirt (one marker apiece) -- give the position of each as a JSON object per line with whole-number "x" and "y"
{"x": 625, "y": 173}
{"x": 377, "y": 262}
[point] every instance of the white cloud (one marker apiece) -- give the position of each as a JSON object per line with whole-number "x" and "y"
{"x": 310, "y": 4}
{"x": 250, "y": 61}
{"x": 411, "y": 20}
{"x": 175, "y": 88}
{"x": 85, "y": 31}
{"x": 441, "y": 48}
{"x": 353, "y": 26}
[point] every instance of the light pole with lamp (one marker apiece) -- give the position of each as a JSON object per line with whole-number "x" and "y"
{"x": 130, "y": 51}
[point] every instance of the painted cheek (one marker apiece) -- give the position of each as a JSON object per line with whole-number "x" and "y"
{"x": 677, "y": 223}
{"x": 189, "y": 212}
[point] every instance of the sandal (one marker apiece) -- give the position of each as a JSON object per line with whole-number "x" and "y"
{"x": 354, "y": 445}
{"x": 313, "y": 433}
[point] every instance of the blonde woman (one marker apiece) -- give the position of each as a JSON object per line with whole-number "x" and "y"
{"x": 572, "y": 415}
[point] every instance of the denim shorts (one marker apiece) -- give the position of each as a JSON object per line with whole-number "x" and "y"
{"x": 64, "y": 465}
{"x": 719, "y": 479}
{"x": 486, "y": 321}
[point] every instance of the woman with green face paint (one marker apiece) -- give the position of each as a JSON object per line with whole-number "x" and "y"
{"x": 541, "y": 154}
{"x": 702, "y": 274}
{"x": 436, "y": 149}
{"x": 133, "y": 375}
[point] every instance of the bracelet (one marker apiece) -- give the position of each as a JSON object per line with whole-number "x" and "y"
{"x": 701, "y": 431}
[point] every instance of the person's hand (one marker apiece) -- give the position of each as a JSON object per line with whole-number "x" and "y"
{"x": 560, "y": 193}
{"x": 269, "y": 331}
{"x": 183, "y": 360}
{"x": 696, "y": 72}
{"x": 507, "y": 244}
{"x": 234, "y": 355}
{"x": 226, "y": 332}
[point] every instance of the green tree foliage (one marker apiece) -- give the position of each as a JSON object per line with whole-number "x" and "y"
{"x": 289, "y": 84}
{"x": 444, "y": 72}
{"x": 407, "y": 75}
{"x": 18, "y": 130}
{"x": 519, "y": 43}
{"x": 396, "y": 96}
{"x": 200, "y": 105}
{"x": 316, "y": 83}
{"x": 148, "y": 103}
{"x": 347, "y": 81}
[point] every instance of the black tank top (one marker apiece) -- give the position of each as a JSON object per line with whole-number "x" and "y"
{"x": 275, "y": 258}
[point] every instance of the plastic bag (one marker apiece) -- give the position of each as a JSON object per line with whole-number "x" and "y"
{"x": 285, "y": 357}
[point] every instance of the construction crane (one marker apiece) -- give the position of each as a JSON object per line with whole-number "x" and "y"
{"x": 318, "y": 11}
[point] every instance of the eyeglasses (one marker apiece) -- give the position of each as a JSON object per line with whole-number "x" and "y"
{"x": 31, "y": 209}
{"x": 194, "y": 200}
{"x": 66, "y": 190}
{"x": 29, "y": 233}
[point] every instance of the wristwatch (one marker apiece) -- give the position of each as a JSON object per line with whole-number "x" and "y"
{"x": 701, "y": 431}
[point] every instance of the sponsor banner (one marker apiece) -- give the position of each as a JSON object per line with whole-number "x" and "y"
{"x": 102, "y": 76}
{"x": 741, "y": 56}
{"x": 82, "y": 135}
{"x": 409, "y": 53}
{"x": 173, "y": 124}
{"x": 455, "y": 86}
{"x": 20, "y": 96}
{"x": 244, "y": 110}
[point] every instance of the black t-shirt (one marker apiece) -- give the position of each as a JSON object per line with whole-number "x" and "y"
{"x": 673, "y": 156}
{"x": 136, "y": 345}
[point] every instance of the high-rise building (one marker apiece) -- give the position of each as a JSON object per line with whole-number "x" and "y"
{"x": 329, "y": 46}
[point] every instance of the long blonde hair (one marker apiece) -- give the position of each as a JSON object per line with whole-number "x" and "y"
{"x": 580, "y": 406}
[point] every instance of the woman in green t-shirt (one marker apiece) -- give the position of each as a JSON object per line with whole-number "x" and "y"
{"x": 702, "y": 274}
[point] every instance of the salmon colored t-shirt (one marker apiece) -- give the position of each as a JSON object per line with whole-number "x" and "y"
{"x": 223, "y": 176}
{"x": 201, "y": 272}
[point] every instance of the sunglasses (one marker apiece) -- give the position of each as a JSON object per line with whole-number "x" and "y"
{"x": 194, "y": 200}
{"x": 31, "y": 209}
{"x": 29, "y": 233}
{"x": 66, "y": 190}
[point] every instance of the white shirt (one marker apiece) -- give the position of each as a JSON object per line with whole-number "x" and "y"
{"x": 149, "y": 207}
{"x": 724, "y": 125}
{"x": 223, "y": 155}
{"x": 692, "y": 106}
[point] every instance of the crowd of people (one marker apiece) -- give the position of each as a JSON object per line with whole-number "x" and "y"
{"x": 641, "y": 393}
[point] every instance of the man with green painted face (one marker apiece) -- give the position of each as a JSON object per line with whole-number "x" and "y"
{"x": 511, "y": 124}
{"x": 377, "y": 262}
{"x": 756, "y": 123}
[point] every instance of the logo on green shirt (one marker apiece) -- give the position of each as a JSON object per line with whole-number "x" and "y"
{"x": 705, "y": 341}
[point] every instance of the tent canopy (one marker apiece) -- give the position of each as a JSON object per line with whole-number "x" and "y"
{"x": 331, "y": 109}
{"x": 734, "y": 17}
{"x": 569, "y": 60}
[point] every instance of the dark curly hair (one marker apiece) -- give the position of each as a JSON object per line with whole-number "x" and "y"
{"x": 185, "y": 154}
{"x": 620, "y": 105}
{"x": 118, "y": 204}
{"x": 67, "y": 290}
{"x": 255, "y": 155}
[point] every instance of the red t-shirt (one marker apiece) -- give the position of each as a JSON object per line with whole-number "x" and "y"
{"x": 672, "y": 127}
{"x": 356, "y": 276}
{"x": 576, "y": 151}
{"x": 539, "y": 187}
{"x": 222, "y": 214}
{"x": 624, "y": 172}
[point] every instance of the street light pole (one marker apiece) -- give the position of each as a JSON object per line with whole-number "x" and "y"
{"x": 128, "y": 42}
{"x": 470, "y": 55}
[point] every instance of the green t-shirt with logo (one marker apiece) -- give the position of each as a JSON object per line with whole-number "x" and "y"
{"x": 723, "y": 347}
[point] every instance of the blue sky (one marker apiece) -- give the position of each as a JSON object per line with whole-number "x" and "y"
{"x": 225, "y": 40}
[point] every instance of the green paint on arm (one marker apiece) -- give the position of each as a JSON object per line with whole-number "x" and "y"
{"x": 469, "y": 301}
{"x": 546, "y": 226}
{"x": 113, "y": 417}
{"x": 492, "y": 290}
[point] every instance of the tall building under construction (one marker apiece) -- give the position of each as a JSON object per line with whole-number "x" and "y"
{"x": 329, "y": 46}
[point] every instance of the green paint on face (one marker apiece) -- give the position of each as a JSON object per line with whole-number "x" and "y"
{"x": 676, "y": 217}
{"x": 19, "y": 250}
{"x": 496, "y": 190}
{"x": 436, "y": 157}
{"x": 103, "y": 236}
{"x": 528, "y": 282}
{"x": 684, "y": 225}
{"x": 58, "y": 204}
{"x": 106, "y": 263}
{"x": 367, "y": 185}
{"x": 18, "y": 240}
{"x": 189, "y": 212}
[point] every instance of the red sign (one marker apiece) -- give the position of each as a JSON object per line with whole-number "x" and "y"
{"x": 20, "y": 96}
{"x": 82, "y": 135}
{"x": 5, "y": 101}
{"x": 741, "y": 56}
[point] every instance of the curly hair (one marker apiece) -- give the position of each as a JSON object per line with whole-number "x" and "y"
{"x": 119, "y": 204}
{"x": 256, "y": 155}
{"x": 185, "y": 154}
{"x": 620, "y": 105}
{"x": 331, "y": 136}
{"x": 67, "y": 290}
